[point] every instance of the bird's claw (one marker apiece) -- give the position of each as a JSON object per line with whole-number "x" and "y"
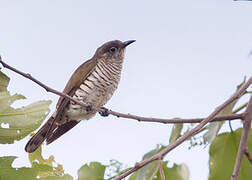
{"x": 104, "y": 113}
{"x": 89, "y": 108}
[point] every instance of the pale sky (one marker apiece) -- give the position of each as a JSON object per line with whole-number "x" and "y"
{"x": 187, "y": 59}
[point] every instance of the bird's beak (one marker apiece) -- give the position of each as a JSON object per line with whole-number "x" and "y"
{"x": 126, "y": 43}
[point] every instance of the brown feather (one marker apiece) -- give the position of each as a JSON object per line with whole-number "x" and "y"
{"x": 75, "y": 81}
{"x": 39, "y": 137}
{"x": 60, "y": 130}
{"x": 47, "y": 130}
{"x": 73, "y": 84}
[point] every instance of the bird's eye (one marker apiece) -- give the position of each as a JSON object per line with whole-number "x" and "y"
{"x": 113, "y": 49}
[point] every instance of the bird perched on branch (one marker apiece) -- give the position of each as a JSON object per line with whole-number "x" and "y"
{"x": 93, "y": 83}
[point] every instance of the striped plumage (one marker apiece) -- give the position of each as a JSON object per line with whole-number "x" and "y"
{"x": 96, "y": 89}
{"x": 93, "y": 83}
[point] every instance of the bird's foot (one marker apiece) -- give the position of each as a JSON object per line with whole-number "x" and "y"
{"x": 89, "y": 108}
{"x": 104, "y": 113}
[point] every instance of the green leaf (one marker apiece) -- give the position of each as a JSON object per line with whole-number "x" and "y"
{"x": 47, "y": 168}
{"x": 133, "y": 176}
{"x": 149, "y": 171}
{"x": 65, "y": 177}
{"x": 6, "y": 161}
{"x": 223, "y": 152}
{"x": 94, "y": 171}
{"x": 21, "y": 121}
{"x": 43, "y": 171}
{"x": 176, "y": 130}
{"x": 4, "y": 81}
{"x": 7, "y": 172}
{"x": 36, "y": 156}
{"x": 214, "y": 127}
{"x": 47, "y": 172}
{"x": 177, "y": 172}
{"x": 16, "y": 123}
{"x": 6, "y": 100}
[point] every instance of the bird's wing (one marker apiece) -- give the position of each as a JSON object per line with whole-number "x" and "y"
{"x": 60, "y": 130}
{"x": 80, "y": 74}
{"x": 75, "y": 81}
{"x": 50, "y": 130}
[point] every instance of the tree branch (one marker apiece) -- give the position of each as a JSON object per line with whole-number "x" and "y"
{"x": 171, "y": 146}
{"x": 118, "y": 114}
{"x": 174, "y": 120}
{"x": 243, "y": 141}
{"x": 48, "y": 89}
{"x": 161, "y": 170}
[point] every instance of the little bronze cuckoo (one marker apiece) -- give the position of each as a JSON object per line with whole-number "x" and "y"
{"x": 93, "y": 83}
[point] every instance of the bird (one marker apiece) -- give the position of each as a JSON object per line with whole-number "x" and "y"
{"x": 92, "y": 83}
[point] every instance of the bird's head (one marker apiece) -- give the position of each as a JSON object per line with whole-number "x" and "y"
{"x": 112, "y": 51}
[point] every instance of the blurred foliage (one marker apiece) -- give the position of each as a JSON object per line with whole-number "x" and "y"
{"x": 4, "y": 81}
{"x": 223, "y": 151}
{"x": 16, "y": 123}
{"x": 150, "y": 170}
{"x": 93, "y": 171}
{"x": 36, "y": 158}
{"x": 7, "y": 172}
{"x": 178, "y": 172}
{"x": 37, "y": 171}
{"x": 176, "y": 132}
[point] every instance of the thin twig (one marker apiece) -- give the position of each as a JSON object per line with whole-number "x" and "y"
{"x": 175, "y": 120}
{"x": 161, "y": 170}
{"x": 240, "y": 108}
{"x": 244, "y": 139}
{"x": 235, "y": 111}
{"x": 248, "y": 155}
{"x": 230, "y": 126}
{"x": 170, "y": 147}
{"x": 118, "y": 114}
{"x": 48, "y": 89}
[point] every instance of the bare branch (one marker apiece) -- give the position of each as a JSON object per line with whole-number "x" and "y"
{"x": 161, "y": 169}
{"x": 175, "y": 120}
{"x": 170, "y": 147}
{"x": 243, "y": 141}
{"x": 118, "y": 114}
{"x": 48, "y": 89}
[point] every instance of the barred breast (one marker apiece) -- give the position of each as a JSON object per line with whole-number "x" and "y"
{"x": 96, "y": 89}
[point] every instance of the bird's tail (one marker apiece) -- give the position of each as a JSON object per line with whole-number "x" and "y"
{"x": 39, "y": 137}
